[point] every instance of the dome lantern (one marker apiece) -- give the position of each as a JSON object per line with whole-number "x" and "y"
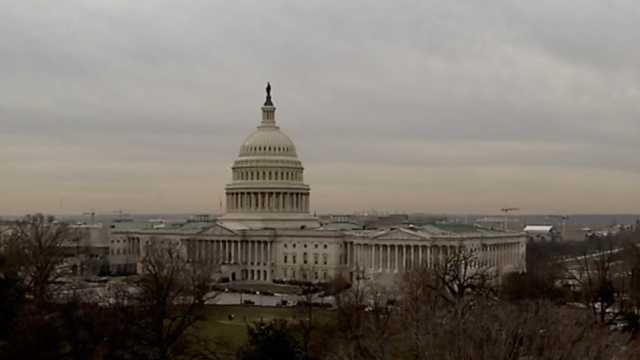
{"x": 268, "y": 110}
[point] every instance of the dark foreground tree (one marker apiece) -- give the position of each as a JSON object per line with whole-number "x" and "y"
{"x": 32, "y": 247}
{"x": 170, "y": 296}
{"x": 366, "y": 326}
{"x": 270, "y": 341}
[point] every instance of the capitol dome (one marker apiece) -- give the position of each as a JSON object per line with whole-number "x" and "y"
{"x": 267, "y": 188}
{"x": 270, "y": 141}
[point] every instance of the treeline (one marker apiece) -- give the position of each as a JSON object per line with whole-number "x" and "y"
{"x": 586, "y": 308}
{"x": 149, "y": 317}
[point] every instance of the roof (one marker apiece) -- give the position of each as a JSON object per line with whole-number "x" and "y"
{"x": 454, "y": 231}
{"x": 538, "y": 228}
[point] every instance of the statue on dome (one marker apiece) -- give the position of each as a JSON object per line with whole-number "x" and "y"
{"x": 268, "y": 101}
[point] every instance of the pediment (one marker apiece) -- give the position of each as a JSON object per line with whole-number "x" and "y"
{"x": 217, "y": 229}
{"x": 401, "y": 234}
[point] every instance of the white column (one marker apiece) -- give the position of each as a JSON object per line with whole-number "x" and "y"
{"x": 395, "y": 258}
{"x": 413, "y": 262}
{"x": 354, "y": 250}
{"x": 372, "y": 257}
{"x": 365, "y": 261}
{"x": 404, "y": 258}
{"x": 235, "y": 250}
{"x": 227, "y": 251}
{"x": 254, "y": 255}
{"x": 346, "y": 253}
{"x": 388, "y": 261}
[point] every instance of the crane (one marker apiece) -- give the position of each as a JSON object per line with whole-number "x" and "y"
{"x": 92, "y": 215}
{"x": 506, "y": 211}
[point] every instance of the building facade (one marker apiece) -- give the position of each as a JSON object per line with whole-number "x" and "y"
{"x": 268, "y": 233}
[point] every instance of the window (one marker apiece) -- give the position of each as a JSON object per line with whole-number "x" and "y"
{"x": 325, "y": 246}
{"x": 285, "y": 258}
{"x": 304, "y": 258}
{"x": 294, "y": 245}
{"x": 325, "y": 258}
{"x": 324, "y": 275}
{"x": 315, "y": 259}
{"x": 285, "y": 246}
{"x": 315, "y": 246}
{"x": 294, "y": 261}
{"x": 315, "y": 275}
{"x": 305, "y": 246}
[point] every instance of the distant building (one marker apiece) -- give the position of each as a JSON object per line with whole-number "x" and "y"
{"x": 88, "y": 253}
{"x": 541, "y": 233}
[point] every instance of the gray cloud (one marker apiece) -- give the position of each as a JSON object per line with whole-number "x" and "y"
{"x": 143, "y": 105}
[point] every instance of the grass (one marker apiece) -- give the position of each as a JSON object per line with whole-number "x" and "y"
{"x": 234, "y": 332}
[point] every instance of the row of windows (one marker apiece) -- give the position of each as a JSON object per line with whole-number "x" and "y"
{"x": 315, "y": 246}
{"x": 129, "y": 238}
{"x": 131, "y": 247}
{"x": 267, "y": 148}
{"x": 268, "y": 175}
{"x": 305, "y": 259}
{"x": 304, "y": 275}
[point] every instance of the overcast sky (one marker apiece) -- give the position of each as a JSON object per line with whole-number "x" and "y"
{"x": 436, "y": 106}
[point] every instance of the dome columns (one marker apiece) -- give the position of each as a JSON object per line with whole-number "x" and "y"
{"x": 268, "y": 201}
{"x": 268, "y": 116}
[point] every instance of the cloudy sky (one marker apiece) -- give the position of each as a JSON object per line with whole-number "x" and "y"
{"x": 436, "y": 106}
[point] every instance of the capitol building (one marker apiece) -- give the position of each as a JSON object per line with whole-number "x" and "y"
{"x": 268, "y": 233}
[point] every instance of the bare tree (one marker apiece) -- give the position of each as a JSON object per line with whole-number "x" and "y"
{"x": 306, "y": 307}
{"x": 595, "y": 274}
{"x": 33, "y": 245}
{"x": 459, "y": 275}
{"x": 365, "y": 322}
{"x": 631, "y": 264}
{"x": 420, "y": 308}
{"x": 171, "y": 293}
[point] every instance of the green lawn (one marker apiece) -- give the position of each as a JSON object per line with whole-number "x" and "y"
{"x": 234, "y": 332}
